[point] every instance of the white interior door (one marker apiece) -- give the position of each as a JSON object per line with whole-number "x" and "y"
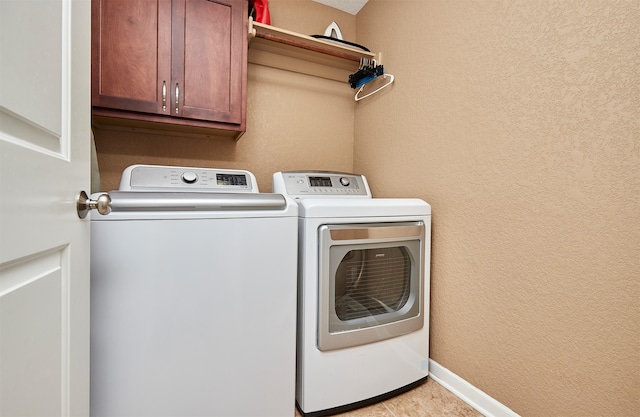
{"x": 44, "y": 246}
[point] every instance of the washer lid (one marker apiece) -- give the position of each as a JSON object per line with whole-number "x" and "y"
{"x": 129, "y": 205}
{"x": 355, "y": 208}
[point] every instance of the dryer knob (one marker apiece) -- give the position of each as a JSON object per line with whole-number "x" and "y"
{"x": 189, "y": 177}
{"x": 345, "y": 181}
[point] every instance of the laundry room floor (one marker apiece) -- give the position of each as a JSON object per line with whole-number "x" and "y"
{"x": 428, "y": 400}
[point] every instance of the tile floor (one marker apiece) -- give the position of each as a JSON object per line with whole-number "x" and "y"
{"x": 428, "y": 400}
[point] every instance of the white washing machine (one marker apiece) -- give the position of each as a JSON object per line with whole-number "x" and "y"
{"x": 193, "y": 296}
{"x": 363, "y": 291}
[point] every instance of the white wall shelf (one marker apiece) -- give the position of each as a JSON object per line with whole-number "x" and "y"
{"x": 279, "y": 48}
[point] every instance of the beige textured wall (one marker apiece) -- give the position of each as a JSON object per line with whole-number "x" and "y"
{"x": 519, "y": 122}
{"x": 294, "y": 121}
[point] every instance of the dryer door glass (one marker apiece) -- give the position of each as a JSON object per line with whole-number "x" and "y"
{"x": 371, "y": 282}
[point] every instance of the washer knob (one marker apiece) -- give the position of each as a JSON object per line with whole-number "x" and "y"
{"x": 189, "y": 177}
{"x": 345, "y": 181}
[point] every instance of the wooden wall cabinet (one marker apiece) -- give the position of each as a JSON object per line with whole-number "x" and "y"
{"x": 178, "y": 66}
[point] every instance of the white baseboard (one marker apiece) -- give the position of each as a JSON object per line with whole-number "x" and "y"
{"x": 471, "y": 395}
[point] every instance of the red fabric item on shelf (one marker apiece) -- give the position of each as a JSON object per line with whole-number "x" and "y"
{"x": 262, "y": 11}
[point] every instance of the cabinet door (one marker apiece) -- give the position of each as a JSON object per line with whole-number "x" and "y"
{"x": 209, "y": 59}
{"x": 131, "y": 54}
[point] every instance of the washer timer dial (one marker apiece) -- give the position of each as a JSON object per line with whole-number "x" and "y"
{"x": 189, "y": 177}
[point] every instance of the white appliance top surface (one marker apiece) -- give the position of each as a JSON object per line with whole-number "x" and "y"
{"x": 361, "y": 208}
{"x": 336, "y": 194}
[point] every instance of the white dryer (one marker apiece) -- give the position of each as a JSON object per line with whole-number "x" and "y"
{"x": 193, "y": 296}
{"x": 363, "y": 291}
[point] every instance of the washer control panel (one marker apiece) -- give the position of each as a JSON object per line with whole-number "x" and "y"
{"x": 305, "y": 184}
{"x": 170, "y": 178}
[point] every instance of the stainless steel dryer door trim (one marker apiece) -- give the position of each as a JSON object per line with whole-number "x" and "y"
{"x": 378, "y": 232}
{"x": 335, "y": 242}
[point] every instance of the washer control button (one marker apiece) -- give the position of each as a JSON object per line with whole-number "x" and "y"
{"x": 189, "y": 177}
{"x": 345, "y": 181}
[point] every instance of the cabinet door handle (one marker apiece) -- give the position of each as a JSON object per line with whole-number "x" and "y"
{"x": 177, "y": 96}
{"x": 164, "y": 96}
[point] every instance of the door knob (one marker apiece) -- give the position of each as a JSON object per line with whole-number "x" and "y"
{"x": 85, "y": 204}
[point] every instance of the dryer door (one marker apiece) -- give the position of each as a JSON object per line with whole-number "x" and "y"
{"x": 371, "y": 283}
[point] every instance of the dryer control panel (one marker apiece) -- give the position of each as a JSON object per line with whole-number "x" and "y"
{"x": 320, "y": 184}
